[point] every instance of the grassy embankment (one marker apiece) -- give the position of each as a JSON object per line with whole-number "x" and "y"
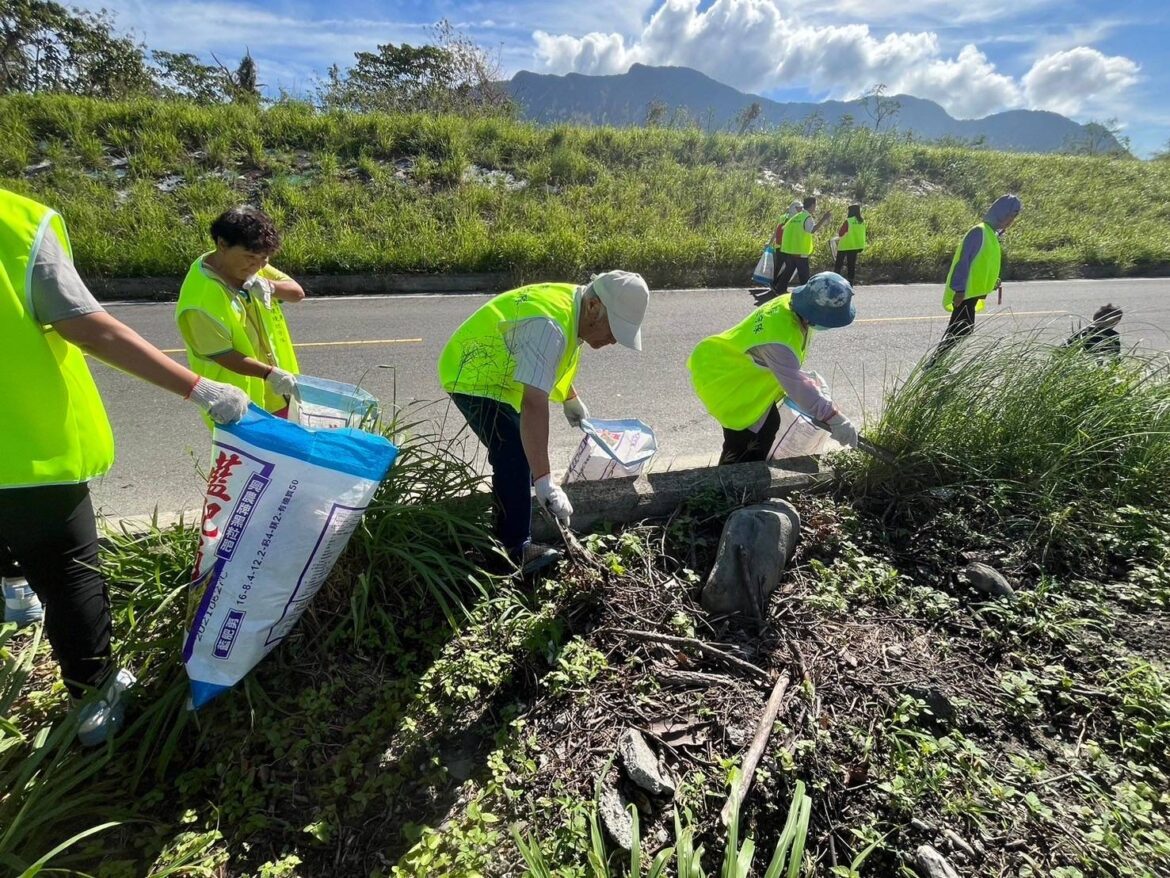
{"x": 389, "y": 738}
{"x": 378, "y": 193}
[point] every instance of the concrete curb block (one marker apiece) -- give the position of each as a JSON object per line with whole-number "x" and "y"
{"x": 614, "y": 501}
{"x": 166, "y": 289}
{"x": 658, "y": 494}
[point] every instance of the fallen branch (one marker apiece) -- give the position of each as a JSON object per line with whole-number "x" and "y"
{"x": 756, "y": 750}
{"x": 713, "y": 651}
{"x": 674, "y": 677}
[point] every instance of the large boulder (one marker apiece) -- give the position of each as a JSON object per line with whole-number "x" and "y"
{"x": 755, "y": 547}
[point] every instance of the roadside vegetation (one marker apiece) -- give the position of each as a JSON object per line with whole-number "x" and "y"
{"x": 426, "y": 719}
{"x": 139, "y": 181}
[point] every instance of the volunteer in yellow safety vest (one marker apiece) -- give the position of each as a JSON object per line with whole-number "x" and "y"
{"x": 796, "y": 246}
{"x": 850, "y": 242}
{"x": 778, "y": 263}
{"x": 505, "y": 363}
{"x": 975, "y": 271}
{"x": 56, "y": 437}
{"x": 741, "y": 374}
{"x": 230, "y": 311}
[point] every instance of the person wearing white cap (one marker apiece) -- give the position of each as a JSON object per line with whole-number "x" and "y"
{"x": 505, "y": 363}
{"x": 741, "y": 374}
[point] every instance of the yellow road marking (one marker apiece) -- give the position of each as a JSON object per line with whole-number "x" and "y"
{"x": 332, "y": 344}
{"x": 374, "y": 341}
{"x": 948, "y": 316}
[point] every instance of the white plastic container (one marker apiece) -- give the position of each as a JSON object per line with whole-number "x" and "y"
{"x": 615, "y": 449}
{"x": 329, "y": 405}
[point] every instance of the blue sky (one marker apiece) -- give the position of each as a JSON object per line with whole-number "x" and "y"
{"x": 1088, "y": 60}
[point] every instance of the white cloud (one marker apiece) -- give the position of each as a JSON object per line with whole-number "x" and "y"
{"x": 752, "y": 45}
{"x": 917, "y": 13}
{"x": 594, "y": 53}
{"x": 1079, "y": 79}
{"x": 968, "y": 86}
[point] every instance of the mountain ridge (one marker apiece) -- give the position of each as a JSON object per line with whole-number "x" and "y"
{"x": 624, "y": 99}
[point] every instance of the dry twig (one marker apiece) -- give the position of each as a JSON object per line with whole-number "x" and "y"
{"x": 756, "y": 750}
{"x": 713, "y": 651}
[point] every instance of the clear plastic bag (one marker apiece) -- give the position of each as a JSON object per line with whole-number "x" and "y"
{"x": 798, "y": 436}
{"x": 765, "y": 268}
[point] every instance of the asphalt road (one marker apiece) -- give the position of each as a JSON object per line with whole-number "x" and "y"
{"x": 163, "y": 446}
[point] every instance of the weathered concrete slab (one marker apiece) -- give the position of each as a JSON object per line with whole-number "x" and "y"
{"x": 658, "y": 494}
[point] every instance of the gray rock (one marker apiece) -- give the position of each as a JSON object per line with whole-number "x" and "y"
{"x": 932, "y": 864}
{"x": 755, "y": 547}
{"x": 611, "y": 807}
{"x": 985, "y": 579}
{"x": 641, "y": 764}
{"x": 169, "y": 183}
{"x": 958, "y": 843}
{"x": 922, "y": 826}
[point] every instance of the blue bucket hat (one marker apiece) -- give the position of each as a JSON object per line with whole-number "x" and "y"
{"x": 825, "y": 301}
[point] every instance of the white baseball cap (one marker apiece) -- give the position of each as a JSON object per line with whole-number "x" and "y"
{"x": 625, "y": 296}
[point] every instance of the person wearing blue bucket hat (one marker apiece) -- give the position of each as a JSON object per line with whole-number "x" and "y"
{"x": 741, "y": 374}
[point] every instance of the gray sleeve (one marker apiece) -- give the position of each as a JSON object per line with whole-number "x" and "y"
{"x": 810, "y": 224}
{"x": 57, "y": 291}
{"x": 971, "y": 246}
{"x": 799, "y": 387}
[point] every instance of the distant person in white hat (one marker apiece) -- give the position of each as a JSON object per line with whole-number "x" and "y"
{"x": 505, "y": 363}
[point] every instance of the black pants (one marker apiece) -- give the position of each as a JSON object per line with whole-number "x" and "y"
{"x": 962, "y": 324}
{"x": 497, "y": 425}
{"x": 792, "y": 265}
{"x": 847, "y": 257}
{"x": 742, "y": 446}
{"x": 51, "y": 533}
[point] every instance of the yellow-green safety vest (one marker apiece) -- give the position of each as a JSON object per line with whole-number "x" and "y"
{"x": 202, "y": 293}
{"x": 854, "y": 237}
{"x": 984, "y": 273}
{"x": 796, "y": 240}
{"x": 55, "y": 429}
{"x": 734, "y": 388}
{"x": 476, "y": 360}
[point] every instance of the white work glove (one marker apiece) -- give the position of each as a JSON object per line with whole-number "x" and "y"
{"x": 225, "y": 403}
{"x": 555, "y": 500}
{"x": 282, "y": 383}
{"x": 575, "y": 411}
{"x": 261, "y": 288}
{"x": 842, "y": 430}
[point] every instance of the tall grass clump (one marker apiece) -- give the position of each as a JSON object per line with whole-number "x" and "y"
{"x": 425, "y": 533}
{"x": 1070, "y": 444}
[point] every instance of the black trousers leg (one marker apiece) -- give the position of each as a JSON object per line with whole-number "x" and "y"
{"x": 51, "y": 532}
{"x": 742, "y": 446}
{"x": 961, "y": 324}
